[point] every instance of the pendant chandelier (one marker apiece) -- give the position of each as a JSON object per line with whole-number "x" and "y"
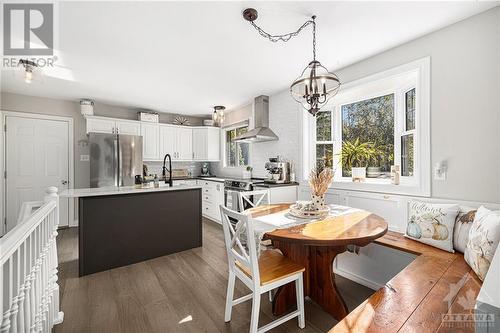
{"x": 218, "y": 115}
{"x": 316, "y": 85}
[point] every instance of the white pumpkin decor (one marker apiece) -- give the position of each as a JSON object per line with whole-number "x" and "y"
{"x": 462, "y": 228}
{"x": 484, "y": 236}
{"x": 432, "y": 224}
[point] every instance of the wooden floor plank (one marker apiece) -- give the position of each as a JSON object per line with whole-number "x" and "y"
{"x": 183, "y": 292}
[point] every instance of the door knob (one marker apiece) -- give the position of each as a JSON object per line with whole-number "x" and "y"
{"x": 64, "y": 182}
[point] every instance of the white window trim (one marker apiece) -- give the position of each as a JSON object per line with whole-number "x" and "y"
{"x": 421, "y": 186}
{"x": 223, "y": 143}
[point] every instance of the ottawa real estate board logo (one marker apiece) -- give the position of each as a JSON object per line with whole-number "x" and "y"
{"x": 28, "y": 33}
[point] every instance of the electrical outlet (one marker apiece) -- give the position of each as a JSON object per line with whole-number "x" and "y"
{"x": 84, "y": 158}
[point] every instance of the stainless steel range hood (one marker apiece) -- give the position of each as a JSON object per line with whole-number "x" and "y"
{"x": 261, "y": 131}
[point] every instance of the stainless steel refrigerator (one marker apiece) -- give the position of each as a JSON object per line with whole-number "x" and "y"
{"x": 115, "y": 159}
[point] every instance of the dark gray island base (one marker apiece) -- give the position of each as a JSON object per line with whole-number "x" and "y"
{"x": 122, "y": 229}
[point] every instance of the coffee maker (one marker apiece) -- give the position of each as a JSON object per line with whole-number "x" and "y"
{"x": 279, "y": 171}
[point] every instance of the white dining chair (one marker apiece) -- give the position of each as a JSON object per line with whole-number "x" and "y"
{"x": 253, "y": 198}
{"x": 260, "y": 274}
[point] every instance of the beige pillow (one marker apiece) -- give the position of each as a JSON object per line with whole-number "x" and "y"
{"x": 484, "y": 236}
{"x": 462, "y": 227}
{"x": 432, "y": 224}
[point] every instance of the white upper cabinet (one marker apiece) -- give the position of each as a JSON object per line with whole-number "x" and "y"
{"x": 128, "y": 127}
{"x": 100, "y": 125}
{"x": 176, "y": 141}
{"x": 206, "y": 144}
{"x": 167, "y": 141}
{"x": 113, "y": 126}
{"x": 184, "y": 143}
{"x": 150, "y": 141}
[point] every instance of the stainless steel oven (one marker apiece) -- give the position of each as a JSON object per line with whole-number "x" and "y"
{"x": 232, "y": 189}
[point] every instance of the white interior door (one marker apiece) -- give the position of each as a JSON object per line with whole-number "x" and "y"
{"x": 37, "y": 156}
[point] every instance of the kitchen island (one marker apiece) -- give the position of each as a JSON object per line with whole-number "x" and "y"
{"x": 119, "y": 226}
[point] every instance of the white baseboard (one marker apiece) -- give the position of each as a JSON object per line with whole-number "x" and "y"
{"x": 358, "y": 279}
{"x": 211, "y": 219}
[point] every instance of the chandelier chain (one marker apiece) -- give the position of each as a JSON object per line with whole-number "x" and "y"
{"x": 284, "y": 37}
{"x": 314, "y": 37}
{"x": 288, "y": 36}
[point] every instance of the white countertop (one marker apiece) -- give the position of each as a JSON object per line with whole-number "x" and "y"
{"x": 113, "y": 190}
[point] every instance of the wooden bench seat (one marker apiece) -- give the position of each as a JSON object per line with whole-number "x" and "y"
{"x": 421, "y": 297}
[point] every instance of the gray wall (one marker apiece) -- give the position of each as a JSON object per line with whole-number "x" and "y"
{"x": 465, "y": 105}
{"x": 31, "y": 104}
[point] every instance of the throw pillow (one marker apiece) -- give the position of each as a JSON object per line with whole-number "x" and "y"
{"x": 462, "y": 226}
{"x": 484, "y": 236}
{"x": 432, "y": 224}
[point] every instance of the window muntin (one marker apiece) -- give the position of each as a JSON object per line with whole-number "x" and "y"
{"x": 237, "y": 153}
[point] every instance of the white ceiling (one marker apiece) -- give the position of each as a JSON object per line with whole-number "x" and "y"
{"x": 185, "y": 57}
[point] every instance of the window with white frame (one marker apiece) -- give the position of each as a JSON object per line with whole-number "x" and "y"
{"x": 373, "y": 124}
{"x": 236, "y": 153}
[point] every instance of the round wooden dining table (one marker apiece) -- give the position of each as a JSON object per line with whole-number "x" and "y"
{"x": 315, "y": 245}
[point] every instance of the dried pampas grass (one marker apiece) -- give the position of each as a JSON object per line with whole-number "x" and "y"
{"x": 320, "y": 180}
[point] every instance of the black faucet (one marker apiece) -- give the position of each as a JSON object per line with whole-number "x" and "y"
{"x": 164, "y": 172}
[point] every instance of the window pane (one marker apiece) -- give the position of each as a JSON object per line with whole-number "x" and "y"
{"x": 368, "y": 128}
{"x": 407, "y": 155}
{"x": 236, "y": 153}
{"x": 243, "y": 153}
{"x": 324, "y": 155}
{"x": 230, "y": 148}
{"x": 410, "y": 110}
{"x": 324, "y": 126}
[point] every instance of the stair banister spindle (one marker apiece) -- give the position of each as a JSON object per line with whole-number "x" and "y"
{"x": 29, "y": 294}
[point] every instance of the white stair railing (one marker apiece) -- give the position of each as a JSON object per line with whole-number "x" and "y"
{"x": 29, "y": 293}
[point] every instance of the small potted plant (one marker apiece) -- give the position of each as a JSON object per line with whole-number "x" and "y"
{"x": 247, "y": 173}
{"x": 376, "y": 154}
{"x": 355, "y": 156}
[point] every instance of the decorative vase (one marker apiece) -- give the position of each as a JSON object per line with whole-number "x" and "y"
{"x": 318, "y": 201}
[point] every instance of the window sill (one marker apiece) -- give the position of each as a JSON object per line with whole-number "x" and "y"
{"x": 381, "y": 186}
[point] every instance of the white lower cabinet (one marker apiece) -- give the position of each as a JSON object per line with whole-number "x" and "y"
{"x": 185, "y": 182}
{"x": 212, "y": 196}
{"x": 280, "y": 194}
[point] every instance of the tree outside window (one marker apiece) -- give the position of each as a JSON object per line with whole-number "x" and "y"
{"x": 237, "y": 153}
{"x": 369, "y": 125}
